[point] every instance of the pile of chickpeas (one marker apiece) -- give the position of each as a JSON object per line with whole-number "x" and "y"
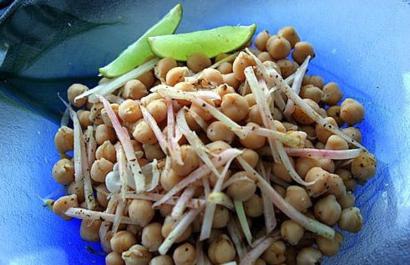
{"x": 329, "y": 200}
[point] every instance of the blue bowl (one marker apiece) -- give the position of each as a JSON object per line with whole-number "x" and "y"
{"x": 361, "y": 45}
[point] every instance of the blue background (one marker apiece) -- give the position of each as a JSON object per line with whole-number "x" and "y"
{"x": 362, "y": 45}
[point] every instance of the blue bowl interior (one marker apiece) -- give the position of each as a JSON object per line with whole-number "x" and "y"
{"x": 362, "y": 46}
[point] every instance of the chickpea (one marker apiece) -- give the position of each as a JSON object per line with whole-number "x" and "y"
{"x": 331, "y": 94}
{"x": 321, "y": 177}
{"x": 83, "y": 117}
{"x": 63, "y": 171}
{"x": 76, "y": 188}
{"x": 64, "y": 139}
{"x": 235, "y": 106}
{"x": 254, "y": 115}
{"x": 190, "y": 159}
{"x": 334, "y": 112}
{"x": 129, "y": 111}
{"x": 158, "y": 110}
{"x": 322, "y": 133}
{"x": 147, "y": 78}
{"x": 134, "y": 89}
{"x": 201, "y": 111}
{"x": 254, "y": 206}
{"x": 221, "y": 250}
{"x": 192, "y": 124}
{"x": 264, "y": 56}
{"x": 353, "y": 133}
{"x": 104, "y": 115}
{"x": 163, "y": 67}
{"x": 104, "y": 133}
{"x": 137, "y": 255}
{"x": 162, "y": 260}
{"x": 336, "y": 186}
{"x": 261, "y": 39}
{"x": 243, "y": 189}
{"x": 184, "y": 254}
{"x": 141, "y": 212}
{"x": 89, "y": 230}
{"x": 218, "y": 131}
{"x": 95, "y": 113}
{"x": 308, "y": 256}
{"x": 281, "y": 171}
{"x": 329, "y": 247}
{"x": 351, "y": 220}
{"x": 252, "y": 140}
{"x": 113, "y": 258}
{"x": 300, "y": 116}
{"x": 347, "y": 200}
{"x": 102, "y": 195}
{"x": 224, "y": 89}
{"x": 221, "y": 217}
{"x": 335, "y": 142}
{"x": 250, "y": 98}
{"x": 217, "y": 147}
{"x": 287, "y": 67}
{"x": 328, "y": 210}
{"x": 153, "y": 151}
{"x": 165, "y": 209}
{"x": 309, "y": 130}
{"x": 151, "y": 236}
{"x": 231, "y": 80}
{"x": 169, "y": 180}
{"x": 298, "y": 198}
{"x": 143, "y": 133}
{"x": 278, "y": 47}
{"x": 304, "y": 164}
{"x": 311, "y": 92}
{"x": 241, "y": 62}
{"x": 75, "y": 90}
{"x": 213, "y": 76}
{"x": 225, "y": 68}
{"x": 301, "y": 51}
{"x": 62, "y": 204}
{"x": 316, "y": 80}
{"x": 106, "y": 150}
{"x": 363, "y": 167}
{"x": 351, "y": 111}
{"x": 198, "y": 62}
{"x": 275, "y": 254}
{"x": 250, "y": 156}
{"x": 290, "y": 34}
{"x": 291, "y": 231}
{"x": 260, "y": 262}
{"x": 176, "y": 75}
{"x": 100, "y": 169}
{"x": 169, "y": 224}
{"x": 150, "y": 97}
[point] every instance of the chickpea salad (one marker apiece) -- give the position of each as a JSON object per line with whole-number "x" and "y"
{"x": 205, "y": 148}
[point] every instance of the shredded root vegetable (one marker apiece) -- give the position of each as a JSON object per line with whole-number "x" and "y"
{"x": 198, "y": 119}
{"x": 324, "y": 153}
{"x": 268, "y": 210}
{"x": 174, "y": 148}
{"x": 105, "y": 227}
{"x": 200, "y": 172}
{"x": 181, "y": 204}
{"x": 155, "y": 176}
{"x": 193, "y": 203}
{"x": 256, "y": 252}
{"x": 297, "y": 83}
{"x": 155, "y": 129}
{"x": 207, "y": 186}
{"x": 308, "y": 223}
{"x": 221, "y": 199}
{"x": 276, "y": 147}
{"x": 65, "y": 118}
{"x": 111, "y": 86}
{"x": 195, "y": 141}
{"x": 118, "y": 215}
{"x": 293, "y": 139}
{"x": 81, "y": 213}
{"x": 125, "y": 140}
{"x": 210, "y": 207}
{"x": 243, "y": 221}
{"x": 122, "y": 168}
{"x": 235, "y": 235}
{"x": 178, "y": 230}
{"x": 91, "y": 145}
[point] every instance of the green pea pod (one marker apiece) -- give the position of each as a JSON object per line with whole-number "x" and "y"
{"x": 208, "y": 42}
{"x": 139, "y": 52}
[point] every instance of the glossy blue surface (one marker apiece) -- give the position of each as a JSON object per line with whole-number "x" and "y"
{"x": 363, "y": 46}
